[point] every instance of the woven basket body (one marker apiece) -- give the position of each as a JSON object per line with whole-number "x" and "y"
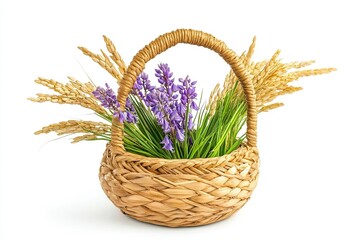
{"x": 181, "y": 192}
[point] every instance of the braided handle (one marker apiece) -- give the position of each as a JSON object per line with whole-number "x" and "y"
{"x": 168, "y": 40}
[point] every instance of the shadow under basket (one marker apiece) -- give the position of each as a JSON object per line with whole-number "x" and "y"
{"x": 181, "y": 192}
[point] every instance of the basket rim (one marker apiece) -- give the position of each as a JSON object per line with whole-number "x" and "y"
{"x": 133, "y": 157}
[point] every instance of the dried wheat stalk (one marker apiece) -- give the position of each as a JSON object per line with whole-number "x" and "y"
{"x": 104, "y": 61}
{"x": 115, "y": 56}
{"x": 92, "y": 129}
{"x": 76, "y": 92}
{"x": 84, "y": 137}
{"x": 73, "y": 92}
{"x": 271, "y": 79}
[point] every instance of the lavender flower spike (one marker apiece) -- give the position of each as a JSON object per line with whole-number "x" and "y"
{"x": 170, "y": 103}
{"x": 142, "y": 87}
{"x": 167, "y": 144}
{"x": 188, "y": 95}
{"x": 130, "y": 112}
{"x": 108, "y": 100}
{"x": 164, "y": 76}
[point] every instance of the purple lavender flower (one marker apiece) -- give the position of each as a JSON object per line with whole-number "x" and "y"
{"x": 142, "y": 87}
{"x": 169, "y": 100}
{"x": 188, "y": 94}
{"x": 130, "y": 112}
{"x": 179, "y": 133}
{"x": 167, "y": 144}
{"x": 164, "y": 76}
{"x": 170, "y": 103}
{"x": 108, "y": 100}
{"x": 158, "y": 103}
{"x": 120, "y": 115}
{"x": 190, "y": 122}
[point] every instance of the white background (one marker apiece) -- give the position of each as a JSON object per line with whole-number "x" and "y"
{"x": 309, "y": 184}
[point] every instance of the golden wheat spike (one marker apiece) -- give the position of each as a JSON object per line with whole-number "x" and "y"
{"x": 74, "y": 92}
{"x": 103, "y": 61}
{"x": 259, "y": 79}
{"x": 271, "y": 79}
{"x": 76, "y": 126}
{"x": 297, "y": 65}
{"x": 52, "y": 84}
{"x": 115, "y": 56}
{"x": 270, "y": 107}
{"x": 85, "y": 137}
{"x": 250, "y": 51}
{"x": 87, "y": 88}
{"x": 213, "y": 99}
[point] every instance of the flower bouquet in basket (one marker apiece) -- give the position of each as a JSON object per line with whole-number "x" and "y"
{"x": 170, "y": 159}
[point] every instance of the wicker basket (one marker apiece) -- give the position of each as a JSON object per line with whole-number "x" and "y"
{"x": 181, "y": 192}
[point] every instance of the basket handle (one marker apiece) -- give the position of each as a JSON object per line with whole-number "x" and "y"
{"x": 168, "y": 40}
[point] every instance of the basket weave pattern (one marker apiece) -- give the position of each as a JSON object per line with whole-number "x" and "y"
{"x": 181, "y": 192}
